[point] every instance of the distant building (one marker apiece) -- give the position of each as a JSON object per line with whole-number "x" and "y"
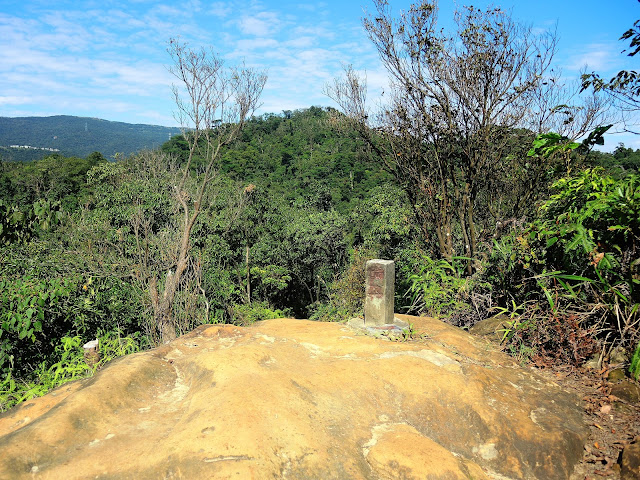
{"x": 47, "y": 149}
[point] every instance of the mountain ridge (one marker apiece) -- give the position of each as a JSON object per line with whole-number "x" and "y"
{"x": 31, "y": 138}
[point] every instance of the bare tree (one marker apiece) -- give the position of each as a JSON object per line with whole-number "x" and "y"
{"x": 456, "y": 104}
{"x": 213, "y": 103}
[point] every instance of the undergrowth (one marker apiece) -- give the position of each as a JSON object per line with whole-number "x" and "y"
{"x": 69, "y": 365}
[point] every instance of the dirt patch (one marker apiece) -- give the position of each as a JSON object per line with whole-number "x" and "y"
{"x": 613, "y": 422}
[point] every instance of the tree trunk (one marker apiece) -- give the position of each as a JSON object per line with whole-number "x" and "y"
{"x": 465, "y": 235}
{"x": 472, "y": 231}
{"x": 162, "y": 310}
{"x": 248, "y": 275}
{"x": 163, "y": 305}
{"x": 467, "y": 227}
{"x": 445, "y": 234}
{"x": 166, "y": 327}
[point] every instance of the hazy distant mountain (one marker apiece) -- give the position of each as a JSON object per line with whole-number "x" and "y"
{"x": 75, "y": 136}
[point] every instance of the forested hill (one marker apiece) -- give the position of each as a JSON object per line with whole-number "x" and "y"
{"x": 75, "y": 136}
{"x": 300, "y": 156}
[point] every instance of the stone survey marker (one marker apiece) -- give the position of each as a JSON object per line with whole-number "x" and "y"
{"x": 380, "y": 279}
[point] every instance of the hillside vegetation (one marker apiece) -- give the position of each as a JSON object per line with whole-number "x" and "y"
{"x": 296, "y": 209}
{"x": 75, "y": 136}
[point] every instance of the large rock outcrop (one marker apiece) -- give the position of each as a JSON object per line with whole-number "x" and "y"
{"x": 299, "y": 399}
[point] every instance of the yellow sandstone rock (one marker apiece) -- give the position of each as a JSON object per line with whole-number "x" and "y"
{"x": 299, "y": 399}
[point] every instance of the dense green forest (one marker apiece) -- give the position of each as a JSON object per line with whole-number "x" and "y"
{"x": 75, "y": 136}
{"x": 296, "y": 209}
{"x": 275, "y": 215}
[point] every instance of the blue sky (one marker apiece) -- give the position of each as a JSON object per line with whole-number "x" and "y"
{"x": 108, "y": 59}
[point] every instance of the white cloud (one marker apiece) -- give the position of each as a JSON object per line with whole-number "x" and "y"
{"x": 260, "y": 25}
{"x": 110, "y": 62}
{"x": 248, "y": 46}
{"x": 599, "y": 57}
{"x": 301, "y": 42}
{"x": 312, "y": 7}
{"x": 316, "y": 31}
{"x": 14, "y": 100}
{"x": 220, "y": 9}
{"x": 377, "y": 80}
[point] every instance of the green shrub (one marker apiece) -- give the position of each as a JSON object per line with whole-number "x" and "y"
{"x": 28, "y": 307}
{"x": 328, "y": 312}
{"x": 248, "y": 313}
{"x": 440, "y": 290}
{"x": 579, "y": 262}
{"x": 588, "y": 236}
{"x": 68, "y": 364}
{"x": 21, "y": 223}
{"x": 347, "y": 293}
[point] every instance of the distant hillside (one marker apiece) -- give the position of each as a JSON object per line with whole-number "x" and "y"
{"x": 75, "y": 136}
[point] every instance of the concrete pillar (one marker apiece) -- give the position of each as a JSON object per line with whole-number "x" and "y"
{"x": 380, "y": 280}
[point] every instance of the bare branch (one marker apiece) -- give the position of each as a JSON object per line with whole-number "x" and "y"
{"x": 213, "y": 103}
{"x": 459, "y": 108}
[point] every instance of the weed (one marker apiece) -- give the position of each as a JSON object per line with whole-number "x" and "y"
{"x": 409, "y": 333}
{"x": 634, "y": 368}
{"x": 70, "y": 365}
{"x": 514, "y": 322}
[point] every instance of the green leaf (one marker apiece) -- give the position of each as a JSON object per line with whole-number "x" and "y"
{"x": 549, "y": 299}
{"x": 574, "y": 277}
